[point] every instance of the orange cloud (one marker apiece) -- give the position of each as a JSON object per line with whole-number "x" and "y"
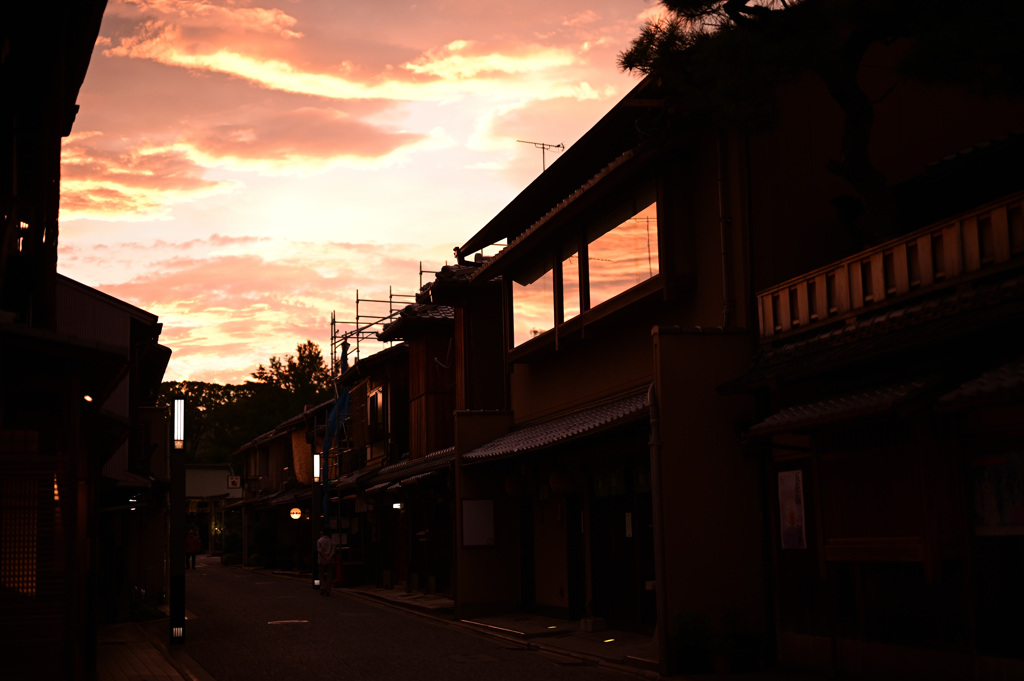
{"x": 178, "y": 33}
{"x": 104, "y": 179}
{"x": 299, "y": 135}
{"x": 102, "y": 183}
{"x": 581, "y": 18}
{"x": 207, "y": 14}
{"x": 452, "y": 63}
{"x": 230, "y": 128}
{"x": 225, "y": 313}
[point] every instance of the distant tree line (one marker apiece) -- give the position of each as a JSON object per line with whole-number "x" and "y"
{"x": 221, "y": 418}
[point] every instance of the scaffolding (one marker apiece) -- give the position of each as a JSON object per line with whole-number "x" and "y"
{"x": 372, "y": 315}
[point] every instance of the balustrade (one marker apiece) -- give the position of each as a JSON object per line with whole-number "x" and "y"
{"x": 953, "y": 250}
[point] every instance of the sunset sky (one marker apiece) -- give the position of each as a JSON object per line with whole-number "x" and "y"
{"x": 241, "y": 168}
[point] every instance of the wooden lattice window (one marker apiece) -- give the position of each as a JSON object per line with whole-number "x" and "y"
{"x": 19, "y": 498}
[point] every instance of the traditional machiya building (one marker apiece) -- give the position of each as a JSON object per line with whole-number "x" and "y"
{"x": 78, "y": 371}
{"x": 394, "y": 493}
{"x": 281, "y": 501}
{"x": 600, "y": 476}
{"x": 698, "y": 395}
{"x": 373, "y": 533}
{"x": 416, "y": 492}
{"x": 894, "y": 440}
{"x": 887, "y": 383}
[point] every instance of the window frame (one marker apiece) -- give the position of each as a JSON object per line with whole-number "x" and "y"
{"x": 576, "y": 241}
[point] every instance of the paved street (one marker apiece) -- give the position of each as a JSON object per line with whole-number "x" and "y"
{"x": 251, "y": 626}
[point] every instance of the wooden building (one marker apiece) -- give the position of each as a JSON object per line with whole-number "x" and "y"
{"x": 77, "y": 371}
{"x": 737, "y": 412}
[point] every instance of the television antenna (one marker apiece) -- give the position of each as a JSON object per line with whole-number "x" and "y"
{"x": 544, "y": 146}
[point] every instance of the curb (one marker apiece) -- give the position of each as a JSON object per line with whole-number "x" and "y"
{"x": 526, "y": 641}
{"x": 444, "y": 616}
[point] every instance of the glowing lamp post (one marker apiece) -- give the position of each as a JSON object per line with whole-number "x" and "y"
{"x": 316, "y": 513}
{"x": 176, "y": 538}
{"x": 179, "y": 424}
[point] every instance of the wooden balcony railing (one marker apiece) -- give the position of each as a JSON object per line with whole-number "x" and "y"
{"x": 983, "y": 239}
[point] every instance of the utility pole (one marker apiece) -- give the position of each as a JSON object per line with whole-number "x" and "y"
{"x": 544, "y": 146}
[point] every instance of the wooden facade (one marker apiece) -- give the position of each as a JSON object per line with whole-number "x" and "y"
{"x": 78, "y": 370}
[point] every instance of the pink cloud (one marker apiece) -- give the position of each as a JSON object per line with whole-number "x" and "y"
{"x": 306, "y": 133}
{"x": 224, "y": 314}
{"x": 233, "y": 128}
{"x": 101, "y": 177}
{"x": 581, "y": 18}
{"x": 220, "y": 240}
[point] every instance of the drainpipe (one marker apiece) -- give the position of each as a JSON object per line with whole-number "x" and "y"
{"x": 724, "y": 221}
{"x": 657, "y": 511}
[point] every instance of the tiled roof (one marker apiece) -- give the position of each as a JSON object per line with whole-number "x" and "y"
{"x": 395, "y": 486}
{"x": 841, "y": 408}
{"x": 561, "y": 429}
{"x": 997, "y": 384}
{"x": 285, "y": 427}
{"x": 562, "y": 205}
{"x": 282, "y": 498}
{"x": 345, "y": 482}
{"x": 417, "y": 312}
{"x": 406, "y": 470}
{"x": 457, "y": 273}
{"x": 428, "y": 311}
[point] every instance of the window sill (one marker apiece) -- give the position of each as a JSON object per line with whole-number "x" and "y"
{"x": 574, "y": 329}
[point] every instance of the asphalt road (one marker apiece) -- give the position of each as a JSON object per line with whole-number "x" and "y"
{"x": 250, "y": 626}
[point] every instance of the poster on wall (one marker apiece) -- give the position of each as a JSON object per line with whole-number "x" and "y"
{"x": 791, "y": 510}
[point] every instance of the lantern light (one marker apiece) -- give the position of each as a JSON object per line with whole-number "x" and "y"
{"x": 179, "y": 423}
{"x": 295, "y": 513}
{"x": 316, "y": 468}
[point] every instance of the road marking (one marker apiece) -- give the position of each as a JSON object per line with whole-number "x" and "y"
{"x": 288, "y": 622}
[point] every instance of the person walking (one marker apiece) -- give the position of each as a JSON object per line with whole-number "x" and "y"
{"x": 325, "y": 562}
{"x": 192, "y": 546}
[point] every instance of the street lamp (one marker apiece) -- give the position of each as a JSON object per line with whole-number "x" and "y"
{"x": 179, "y": 424}
{"x": 176, "y": 538}
{"x": 316, "y": 513}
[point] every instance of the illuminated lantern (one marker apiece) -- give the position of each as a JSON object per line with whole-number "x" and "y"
{"x": 296, "y": 513}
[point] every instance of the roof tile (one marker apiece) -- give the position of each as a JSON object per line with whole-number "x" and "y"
{"x": 560, "y": 429}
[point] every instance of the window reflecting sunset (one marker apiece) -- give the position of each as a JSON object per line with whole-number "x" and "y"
{"x": 533, "y": 307}
{"x": 571, "y": 286}
{"x": 624, "y": 256}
